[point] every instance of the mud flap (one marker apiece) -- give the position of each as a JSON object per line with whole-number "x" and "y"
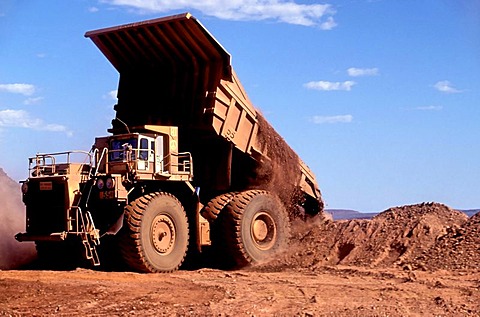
{"x": 115, "y": 228}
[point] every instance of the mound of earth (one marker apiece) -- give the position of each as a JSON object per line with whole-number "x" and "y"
{"x": 412, "y": 230}
{"x": 396, "y": 237}
{"x": 458, "y": 250}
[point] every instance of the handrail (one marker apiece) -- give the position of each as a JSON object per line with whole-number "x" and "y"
{"x": 62, "y": 153}
{"x": 184, "y": 162}
{"x": 102, "y": 156}
{"x": 135, "y": 152}
{"x": 41, "y": 165}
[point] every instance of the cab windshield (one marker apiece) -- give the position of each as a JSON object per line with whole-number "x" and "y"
{"x": 118, "y": 148}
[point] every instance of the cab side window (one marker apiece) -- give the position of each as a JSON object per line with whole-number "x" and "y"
{"x": 143, "y": 153}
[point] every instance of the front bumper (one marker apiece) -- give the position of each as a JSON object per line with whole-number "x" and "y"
{"x": 57, "y": 236}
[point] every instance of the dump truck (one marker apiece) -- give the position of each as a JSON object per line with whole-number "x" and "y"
{"x": 189, "y": 163}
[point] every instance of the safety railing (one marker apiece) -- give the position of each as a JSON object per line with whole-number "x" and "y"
{"x": 60, "y": 163}
{"x": 183, "y": 165}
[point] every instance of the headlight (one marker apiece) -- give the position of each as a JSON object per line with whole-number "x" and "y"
{"x": 100, "y": 183}
{"x": 24, "y": 188}
{"x": 110, "y": 183}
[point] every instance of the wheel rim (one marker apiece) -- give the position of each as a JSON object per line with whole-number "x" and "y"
{"x": 263, "y": 231}
{"x": 163, "y": 234}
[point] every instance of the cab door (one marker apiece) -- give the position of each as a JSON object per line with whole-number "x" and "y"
{"x": 145, "y": 154}
{"x": 159, "y": 163}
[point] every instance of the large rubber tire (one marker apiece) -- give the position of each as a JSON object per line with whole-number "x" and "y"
{"x": 256, "y": 227}
{"x": 154, "y": 238}
{"x": 213, "y": 208}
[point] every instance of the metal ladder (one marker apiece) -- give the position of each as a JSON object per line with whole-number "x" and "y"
{"x": 85, "y": 228}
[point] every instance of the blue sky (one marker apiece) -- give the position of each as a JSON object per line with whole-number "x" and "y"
{"x": 380, "y": 98}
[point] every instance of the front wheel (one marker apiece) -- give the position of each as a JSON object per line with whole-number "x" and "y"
{"x": 256, "y": 227}
{"x": 155, "y": 234}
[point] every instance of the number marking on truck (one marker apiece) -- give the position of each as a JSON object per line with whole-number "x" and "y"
{"x": 109, "y": 194}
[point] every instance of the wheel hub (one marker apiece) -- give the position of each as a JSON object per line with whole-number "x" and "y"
{"x": 263, "y": 230}
{"x": 163, "y": 234}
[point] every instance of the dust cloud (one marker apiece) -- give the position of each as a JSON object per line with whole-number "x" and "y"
{"x": 13, "y": 254}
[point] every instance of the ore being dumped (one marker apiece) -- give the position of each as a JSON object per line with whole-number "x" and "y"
{"x": 282, "y": 171}
{"x": 13, "y": 254}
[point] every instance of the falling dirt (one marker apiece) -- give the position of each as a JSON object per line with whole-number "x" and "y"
{"x": 12, "y": 221}
{"x": 280, "y": 172}
{"x": 417, "y": 260}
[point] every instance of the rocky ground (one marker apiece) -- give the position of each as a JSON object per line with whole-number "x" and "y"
{"x": 329, "y": 291}
{"x": 417, "y": 260}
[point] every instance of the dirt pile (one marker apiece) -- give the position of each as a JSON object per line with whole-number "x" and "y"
{"x": 458, "y": 250}
{"x": 412, "y": 230}
{"x": 397, "y": 237}
{"x": 12, "y": 221}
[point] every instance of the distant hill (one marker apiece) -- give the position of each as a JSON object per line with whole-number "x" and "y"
{"x": 347, "y": 214}
{"x": 342, "y": 214}
{"x": 470, "y": 212}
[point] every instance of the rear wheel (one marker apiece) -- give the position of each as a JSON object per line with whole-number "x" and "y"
{"x": 256, "y": 227}
{"x": 155, "y": 233}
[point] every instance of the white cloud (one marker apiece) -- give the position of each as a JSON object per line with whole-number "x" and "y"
{"x": 332, "y": 119}
{"x": 279, "y": 10}
{"x": 24, "y": 89}
{"x": 32, "y": 101}
{"x": 329, "y": 24}
{"x": 22, "y": 119}
{"x": 356, "y": 72}
{"x": 113, "y": 94}
{"x": 93, "y": 9}
{"x": 429, "y": 108}
{"x": 446, "y": 87}
{"x": 328, "y": 85}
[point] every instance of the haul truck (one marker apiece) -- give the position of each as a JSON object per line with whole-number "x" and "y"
{"x": 189, "y": 162}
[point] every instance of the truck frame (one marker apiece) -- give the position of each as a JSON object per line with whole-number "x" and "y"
{"x": 189, "y": 163}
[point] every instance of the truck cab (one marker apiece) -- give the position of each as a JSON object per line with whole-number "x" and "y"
{"x": 148, "y": 153}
